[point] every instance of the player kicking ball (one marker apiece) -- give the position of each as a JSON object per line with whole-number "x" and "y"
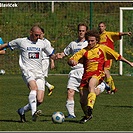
{"x": 93, "y": 57}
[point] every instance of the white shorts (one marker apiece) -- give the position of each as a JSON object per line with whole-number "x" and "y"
{"x": 38, "y": 77}
{"x": 45, "y": 66}
{"x": 74, "y": 80}
{"x": 101, "y": 87}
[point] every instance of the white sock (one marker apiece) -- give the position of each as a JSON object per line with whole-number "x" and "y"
{"x": 33, "y": 101}
{"x": 27, "y": 108}
{"x": 70, "y": 107}
{"x": 47, "y": 84}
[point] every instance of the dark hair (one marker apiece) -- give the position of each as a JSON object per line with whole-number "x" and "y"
{"x": 101, "y": 23}
{"x": 82, "y": 24}
{"x": 94, "y": 33}
{"x": 42, "y": 30}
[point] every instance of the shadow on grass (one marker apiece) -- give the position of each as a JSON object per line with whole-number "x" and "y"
{"x": 66, "y": 120}
{"x": 73, "y": 121}
{"x": 10, "y": 121}
{"x": 118, "y": 106}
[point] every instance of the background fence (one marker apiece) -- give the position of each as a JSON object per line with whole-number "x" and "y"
{"x": 61, "y": 27}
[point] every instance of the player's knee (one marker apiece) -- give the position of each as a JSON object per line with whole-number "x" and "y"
{"x": 97, "y": 91}
{"x": 71, "y": 92}
{"x": 40, "y": 101}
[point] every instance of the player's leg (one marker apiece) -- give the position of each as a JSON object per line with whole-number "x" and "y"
{"x": 83, "y": 101}
{"x": 72, "y": 86}
{"x": 41, "y": 90}
{"x": 32, "y": 101}
{"x": 33, "y": 96}
{"x": 70, "y": 97}
{"x": 101, "y": 87}
{"x": 45, "y": 64}
{"x": 70, "y": 103}
{"x": 88, "y": 101}
{"x": 109, "y": 78}
{"x": 27, "y": 107}
{"x": 40, "y": 96}
{"x": 31, "y": 83}
{"x": 50, "y": 88}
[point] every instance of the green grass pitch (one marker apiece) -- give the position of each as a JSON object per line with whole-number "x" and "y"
{"x": 111, "y": 112}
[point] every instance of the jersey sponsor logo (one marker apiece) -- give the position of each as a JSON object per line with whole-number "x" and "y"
{"x": 33, "y": 49}
{"x": 33, "y": 55}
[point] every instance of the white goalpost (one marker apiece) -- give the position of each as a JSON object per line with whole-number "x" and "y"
{"x": 121, "y": 41}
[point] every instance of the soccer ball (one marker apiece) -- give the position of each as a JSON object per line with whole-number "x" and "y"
{"x": 58, "y": 117}
{"x": 2, "y": 72}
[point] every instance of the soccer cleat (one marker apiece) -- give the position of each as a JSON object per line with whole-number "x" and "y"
{"x": 88, "y": 116}
{"x": 85, "y": 119}
{"x": 114, "y": 91}
{"x": 71, "y": 116}
{"x": 50, "y": 90}
{"x": 22, "y": 117}
{"x": 36, "y": 114}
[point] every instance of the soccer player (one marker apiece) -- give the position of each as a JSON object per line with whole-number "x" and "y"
{"x": 30, "y": 61}
{"x": 108, "y": 38}
{"x": 45, "y": 64}
{"x": 93, "y": 57}
{"x": 75, "y": 75}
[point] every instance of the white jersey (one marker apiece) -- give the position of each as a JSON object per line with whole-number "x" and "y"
{"x": 31, "y": 53}
{"x": 74, "y": 47}
{"x": 75, "y": 75}
{"x": 45, "y": 59}
{"x": 44, "y": 55}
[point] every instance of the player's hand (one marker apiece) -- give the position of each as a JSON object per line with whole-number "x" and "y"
{"x": 129, "y": 33}
{"x": 131, "y": 64}
{"x": 59, "y": 56}
{"x": 72, "y": 62}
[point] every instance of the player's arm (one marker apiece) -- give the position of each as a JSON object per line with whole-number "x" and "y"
{"x": 2, "y": 52}
{"x": 126, "y": 61}
{"x": 125, "y": 33}
{"x": 112, "y": 54}
{"x": 74, "y": 60}
{"x": 56, "y": 56}
{"x": 5, "y": 45}
{"x": 62, "y": 54}
{"x": 52, "y": 64}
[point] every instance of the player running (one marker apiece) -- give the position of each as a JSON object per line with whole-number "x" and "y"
{"x": 108, "y": 38}
{"x": 93, "y": 57}
{"x": 30, "y": 61}
{"x": 76, "y": 73}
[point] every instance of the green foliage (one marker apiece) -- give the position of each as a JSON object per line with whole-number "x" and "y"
{"x": 61, "y": 27}
{"x": 111, "y": 112}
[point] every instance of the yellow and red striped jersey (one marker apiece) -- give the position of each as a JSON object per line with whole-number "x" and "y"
{"x": 93, "y": 59}
{"x": 108, "y": 38}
